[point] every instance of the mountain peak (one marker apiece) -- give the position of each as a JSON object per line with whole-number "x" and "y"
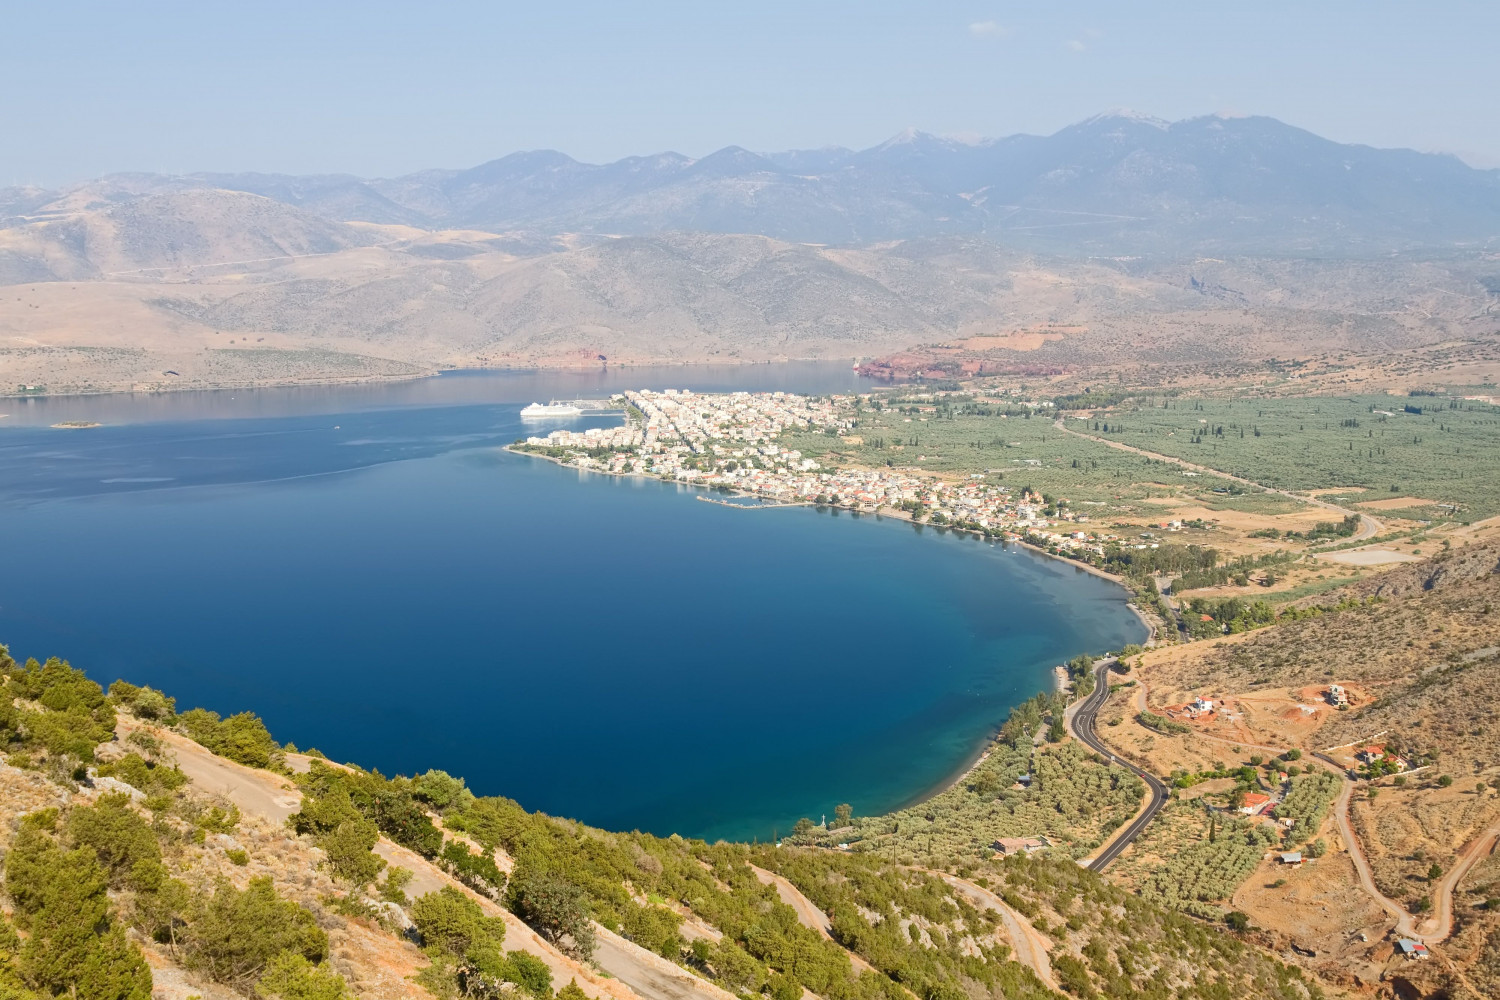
{"x": 1117, "y": 115}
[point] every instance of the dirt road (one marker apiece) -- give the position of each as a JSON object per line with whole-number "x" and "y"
{"x": 1369, "y": 527}
{"x": 274, "y": 798}
{"x": 1357, "y": 855}
{"x": 256, "y": 793}
{"x": 1440, "y": 925}
{"x": 808, "y": 914}
{"x": 647, "y": 973}
{"x": 1029, "y": 945}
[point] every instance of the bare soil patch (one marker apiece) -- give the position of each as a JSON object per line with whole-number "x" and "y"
{"x": 1370, "y": 557}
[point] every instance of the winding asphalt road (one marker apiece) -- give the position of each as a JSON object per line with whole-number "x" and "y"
{"x": 1081, "y": 724}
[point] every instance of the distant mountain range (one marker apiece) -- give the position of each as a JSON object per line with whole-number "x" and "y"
{"x": 1120, "y": 240}
{"x": 1114, "y": 184}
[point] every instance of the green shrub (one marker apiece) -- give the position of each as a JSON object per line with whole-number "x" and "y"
{"x": 555, "y": 907}
{"x": 232, "y": 935}
{"x": 393, "y": 889}
{"x": 453, "y": 923}
{"x": 465, "y": 947}
{"x": 528, "y": 972}
{"x": 478, "y": 870}
{"x": 242, "y": 738}
{"x": 348, "y": 846}
{"x": 440, "y": 789}
{"x": 1162, "y": 724}
{"x": 290, "y": 976}
{"x": 62, "y": 902}
{"x": 147, "y": 776}
{"x": 123, "y": 843}
{"x": 390, "y": 804}
{"x": 143, "y": 702}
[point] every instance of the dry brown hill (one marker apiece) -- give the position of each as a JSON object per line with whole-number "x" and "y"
{"x": 111, "y": 288}
{"x": 163, "y": 231}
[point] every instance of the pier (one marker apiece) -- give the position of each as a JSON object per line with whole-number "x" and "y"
{"x": 756, "y": 505}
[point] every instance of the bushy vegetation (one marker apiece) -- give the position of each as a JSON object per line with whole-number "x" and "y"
{"x": 71, "y": 715}
{"x": 1162, "y": 724}
{"x": 1307, "y": 803}
{"x": 1073, "y": 799}
{"x": 465, "y": 948}
{"x": 60, "y": 891}
{"x": 242, "y": 738}
{"x": 1198, "y": 858}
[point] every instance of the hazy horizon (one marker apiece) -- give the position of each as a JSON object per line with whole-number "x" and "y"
{"x": 380, "y": 91}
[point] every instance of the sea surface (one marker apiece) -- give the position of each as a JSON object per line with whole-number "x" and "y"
{"x": 366, "y": 569}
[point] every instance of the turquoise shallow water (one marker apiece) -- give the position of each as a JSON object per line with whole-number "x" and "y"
{"x": 367, "y": 570}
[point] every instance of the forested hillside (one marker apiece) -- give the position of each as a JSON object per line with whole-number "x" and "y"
{"x": 194, "y": 852}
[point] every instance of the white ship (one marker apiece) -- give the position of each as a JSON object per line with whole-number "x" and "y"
{"x": 554, "y": 409}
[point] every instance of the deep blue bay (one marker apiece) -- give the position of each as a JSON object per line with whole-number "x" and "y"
{"x": 366, "y": 569}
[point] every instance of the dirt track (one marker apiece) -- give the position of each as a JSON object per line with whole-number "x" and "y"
{"x": 637, "y": 974}
{"x": 1369, "y": 527}
{"x": 808, "y": 915}
{"x": 1440, "y": 925}
{"x": 1029, "y": 945}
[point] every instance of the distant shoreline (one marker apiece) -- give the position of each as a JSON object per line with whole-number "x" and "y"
{"x": 377, "y": 379}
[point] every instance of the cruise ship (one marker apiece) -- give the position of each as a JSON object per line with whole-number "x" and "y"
{"x": 554, "y": 409}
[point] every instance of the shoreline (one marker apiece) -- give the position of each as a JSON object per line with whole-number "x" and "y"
{"x": 425, "y": 373}
{"x": 983, "y": 749}
{"x": 879, "y": 513}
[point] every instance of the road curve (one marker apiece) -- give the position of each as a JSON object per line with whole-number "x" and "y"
{"x": 1440, "y": 926}
{"x": 1081, "y": 723}
{"x": 1027, "y": 942}
{"x": 1357, "y": 854}
{"x": 808, "y": 914}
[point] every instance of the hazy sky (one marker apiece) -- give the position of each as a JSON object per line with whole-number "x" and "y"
{"x": 379, "y": 89}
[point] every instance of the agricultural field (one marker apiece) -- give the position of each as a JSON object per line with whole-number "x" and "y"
{"x": 1015, "y": 442}
{"x": 1009, "y": 445}
{"x": 1072, "y": 800}
{"x": 1191, "y": 861}
{"x": 1429, "y": 452}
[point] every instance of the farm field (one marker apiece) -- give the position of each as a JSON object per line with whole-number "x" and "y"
{"x": 1429, "y": 452}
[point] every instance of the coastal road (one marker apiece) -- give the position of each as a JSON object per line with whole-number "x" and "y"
{"x": 1081, "y": 723}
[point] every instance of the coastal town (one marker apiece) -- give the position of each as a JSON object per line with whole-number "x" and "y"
{"x": 729, "y": 441}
